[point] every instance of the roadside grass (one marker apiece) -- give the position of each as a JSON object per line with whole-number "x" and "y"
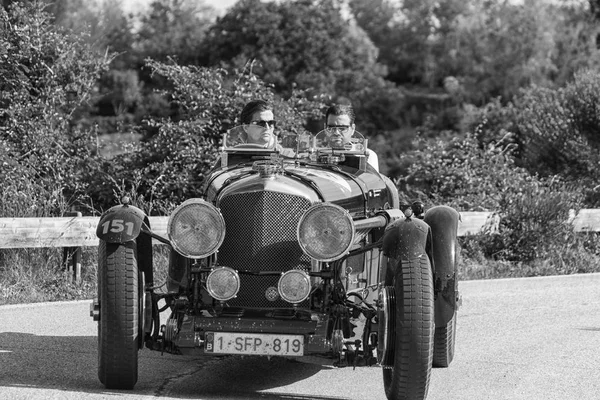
{"x": 38, "y": 275}
{"x": 471, "y": 269}
{"x": 577, "y": 255}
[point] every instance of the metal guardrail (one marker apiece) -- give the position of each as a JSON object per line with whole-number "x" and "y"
{"x": 78, "y": 231}
{"x": 74, "y": 232}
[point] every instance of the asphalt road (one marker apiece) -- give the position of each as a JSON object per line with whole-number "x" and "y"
{"x": 525, "y": 339}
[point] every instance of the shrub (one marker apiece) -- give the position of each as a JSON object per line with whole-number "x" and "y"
{"x": 558, "y": 130}
{"x": 461, "y": 173}
{"x": 468, "y": 176}
{"x": 47, "y": 75}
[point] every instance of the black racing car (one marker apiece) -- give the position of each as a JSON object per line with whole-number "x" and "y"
{"x": 301, "y": 250}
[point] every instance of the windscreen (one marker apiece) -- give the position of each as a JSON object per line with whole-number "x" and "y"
{"x": 256, "y": 138}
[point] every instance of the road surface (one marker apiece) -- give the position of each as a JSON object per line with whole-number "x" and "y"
{"x": 522, "y": 339}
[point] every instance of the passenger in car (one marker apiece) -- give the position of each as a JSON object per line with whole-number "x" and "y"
{"x": 339, "y": 127}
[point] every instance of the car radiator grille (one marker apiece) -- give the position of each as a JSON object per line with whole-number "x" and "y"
{"x": 261, "y": 236}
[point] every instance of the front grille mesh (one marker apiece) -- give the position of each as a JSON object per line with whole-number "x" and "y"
{"x": 261, "y": 236}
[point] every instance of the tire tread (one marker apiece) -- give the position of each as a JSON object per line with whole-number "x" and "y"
{"x": 118, "y": 329}
{"x": 409, "y": 378}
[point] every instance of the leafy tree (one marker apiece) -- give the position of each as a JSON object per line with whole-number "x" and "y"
{"x": 492, "y": 48}
{"x": 115, "y": 34}
{"x": 174, "y": 29}
{"x": 47, "y": 75}
{"x": 577, "y": 43}
{"x": 558, "y": 130}
{"x": 409, "y": 35}
{"x": 304, "y": 42}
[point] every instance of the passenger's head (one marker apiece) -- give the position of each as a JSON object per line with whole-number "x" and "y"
{"x": 258, "y": 117}
{"x": 339, "y": 123}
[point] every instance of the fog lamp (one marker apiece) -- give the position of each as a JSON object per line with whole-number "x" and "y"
{"x": 223, "y": 283}
{"x": 294, "y": 286}
{"x": 196, "y": 228}
{"x": 326, "y": 232}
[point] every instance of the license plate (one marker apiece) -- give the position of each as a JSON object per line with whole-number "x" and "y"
{"x": 254, "y": 344}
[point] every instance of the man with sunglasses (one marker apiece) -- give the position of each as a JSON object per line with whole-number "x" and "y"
{"x": 257, "y": 116}
{"x": 339, "y": 127}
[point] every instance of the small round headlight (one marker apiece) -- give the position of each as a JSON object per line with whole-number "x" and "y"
{"x": 196, "y": 228}
{"x": 294, "y": 286}
{"x": 223, "y": 283}
{"x": 326, "y": 232}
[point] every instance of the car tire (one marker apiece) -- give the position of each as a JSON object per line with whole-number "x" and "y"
{"x": 444, "y": 343}
{"x": 409, "y": 376}
{"x": 119, "y": 326}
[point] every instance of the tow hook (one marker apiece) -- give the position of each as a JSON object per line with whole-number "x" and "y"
{"x": 95, "y": 310}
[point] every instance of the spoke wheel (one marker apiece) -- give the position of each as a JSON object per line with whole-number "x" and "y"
{"x": 408, "y": 378}
{"x": 119, "y": 326}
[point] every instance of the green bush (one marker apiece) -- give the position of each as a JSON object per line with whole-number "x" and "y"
{"x": 47, "y": 75}
{"x": 461, "y": 173}
{"x": 559, "y": 130}
{"x": 470, "y": 176}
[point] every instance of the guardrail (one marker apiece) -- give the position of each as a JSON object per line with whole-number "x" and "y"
{"x": 81, "y": 231}
{"x": 72, "y": 233}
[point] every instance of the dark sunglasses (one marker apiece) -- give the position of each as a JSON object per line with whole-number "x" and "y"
{"x": 264, "y": 124}
{"x": 338, "y": 127}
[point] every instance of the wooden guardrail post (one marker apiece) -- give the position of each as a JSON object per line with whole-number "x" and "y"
{"x": 72, "y": 255}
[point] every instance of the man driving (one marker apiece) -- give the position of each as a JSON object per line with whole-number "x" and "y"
{"x": 258, "y": 118}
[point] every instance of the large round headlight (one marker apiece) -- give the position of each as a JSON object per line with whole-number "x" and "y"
{"x": 223, "y": 283}
{"x": 196, "y": 228}
{"x": 294, "y": 286}
{"x": 326, "y": 232}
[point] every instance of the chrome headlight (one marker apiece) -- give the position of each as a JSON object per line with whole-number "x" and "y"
{"x": 294, "y": 286}
{"x": 223, "y": 283}
{"x": 196, "y": 228}
{"x": 326, "y": 232}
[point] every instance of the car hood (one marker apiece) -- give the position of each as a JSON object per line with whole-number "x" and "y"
{"x": 349, "y": 190}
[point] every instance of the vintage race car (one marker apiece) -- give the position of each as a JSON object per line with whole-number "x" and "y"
{"x": 298, "y": 250}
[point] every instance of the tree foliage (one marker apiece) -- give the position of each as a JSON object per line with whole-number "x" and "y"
{"x": 492, "y": 48}
{"x": 47, "y": 75}
{"x": 302, "y": 42}
{"x": 174, "y": 29}
{"x": 463, "y": 174}
{"x": 558, "y": 130}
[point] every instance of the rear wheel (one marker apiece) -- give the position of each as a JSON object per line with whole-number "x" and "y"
{"x": 119, "y": 328}
{"x": 408, "y": 378}
{"x": 444, "y": 342}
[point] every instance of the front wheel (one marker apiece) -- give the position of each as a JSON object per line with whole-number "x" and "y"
{"x": 408, "y": 377}
{"x": 119, "y": 326}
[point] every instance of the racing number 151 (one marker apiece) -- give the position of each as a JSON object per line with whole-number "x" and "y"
{"x": 117, "y": 226}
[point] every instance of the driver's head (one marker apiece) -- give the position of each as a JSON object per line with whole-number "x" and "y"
{"x": 258, "y": 117}
{"x": 339, "y": 124}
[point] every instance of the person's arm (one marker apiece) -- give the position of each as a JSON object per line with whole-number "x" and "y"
{"x": 373, "y": 159}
